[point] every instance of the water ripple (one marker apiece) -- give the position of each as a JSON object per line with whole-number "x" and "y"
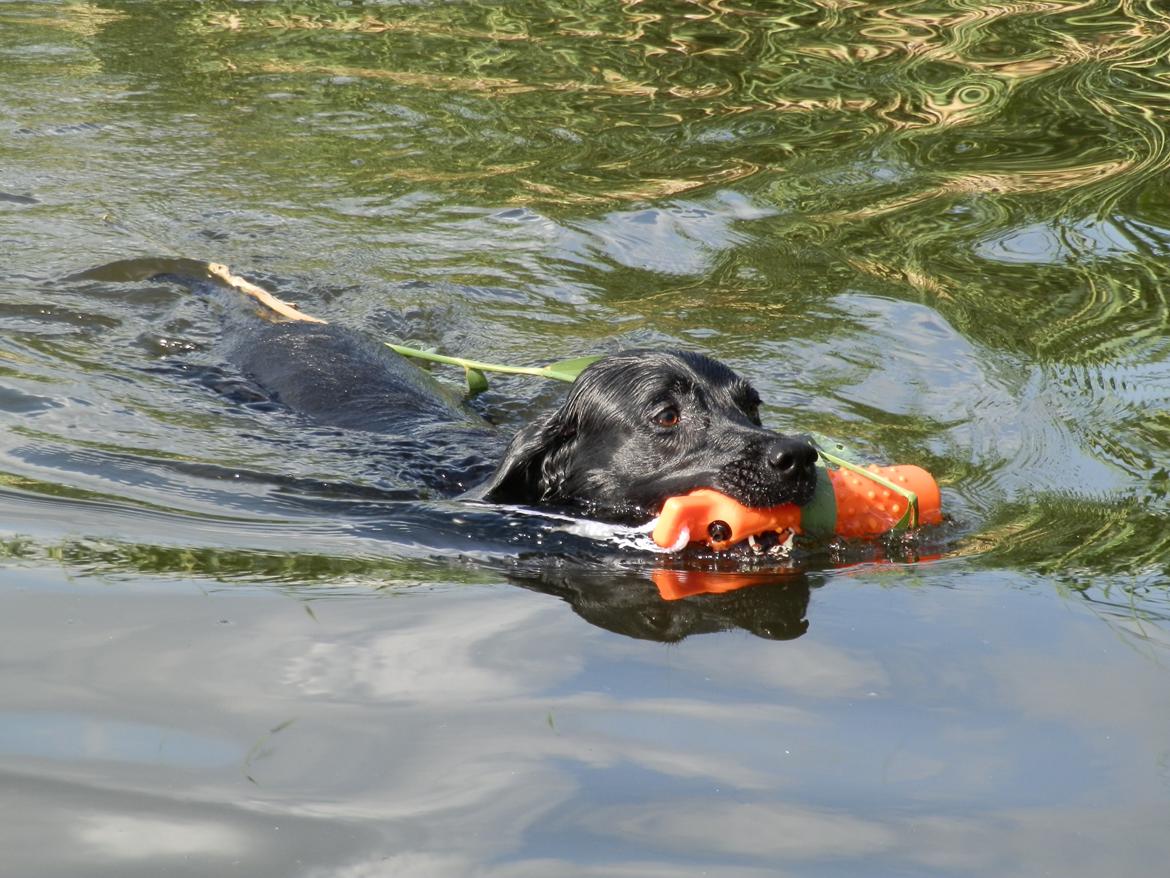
{"x": 939, "y": 229}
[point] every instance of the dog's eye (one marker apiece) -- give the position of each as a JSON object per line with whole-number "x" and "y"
{"x": 668, "y": 417}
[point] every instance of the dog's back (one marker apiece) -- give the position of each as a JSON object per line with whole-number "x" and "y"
{"x": 341, "y": 377}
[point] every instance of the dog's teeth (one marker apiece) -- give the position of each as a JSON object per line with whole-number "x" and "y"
{"x": 783, "y": 546}
{"x": 756, "y": 547}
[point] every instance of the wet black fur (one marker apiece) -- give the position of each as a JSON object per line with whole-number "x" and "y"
{"x": 603, "y": 449}
{"x": 606, "y": 450}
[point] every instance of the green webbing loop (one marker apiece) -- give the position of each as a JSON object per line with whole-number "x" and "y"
{"x": 819, "y": 515}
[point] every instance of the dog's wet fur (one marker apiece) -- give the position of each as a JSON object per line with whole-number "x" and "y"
{"x": 635, "y": 428}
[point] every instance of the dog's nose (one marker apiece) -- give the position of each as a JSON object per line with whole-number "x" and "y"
{"x": 789, "y": 456}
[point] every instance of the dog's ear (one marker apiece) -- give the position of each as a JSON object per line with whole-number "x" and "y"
{"x": 537, "y": 462}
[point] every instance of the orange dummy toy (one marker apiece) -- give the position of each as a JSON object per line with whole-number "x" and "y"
{"x": 846, "y": 502}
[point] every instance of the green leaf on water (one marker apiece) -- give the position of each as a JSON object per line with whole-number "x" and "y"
{"x": 835, "y": 447}
{"x": 568, "y": 370}
{"x": 477, "y": 382}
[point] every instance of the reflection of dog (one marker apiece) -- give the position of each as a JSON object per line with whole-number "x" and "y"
{"x": 626, "y": 602}
{"x": 636, "y": 427}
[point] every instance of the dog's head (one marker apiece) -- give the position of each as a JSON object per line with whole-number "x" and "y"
{"x": 642, "y": 426}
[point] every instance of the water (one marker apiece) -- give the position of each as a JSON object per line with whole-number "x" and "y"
{"x": 238, "y": 643}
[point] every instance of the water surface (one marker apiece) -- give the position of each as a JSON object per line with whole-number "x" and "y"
{"x": 238, "y": 642}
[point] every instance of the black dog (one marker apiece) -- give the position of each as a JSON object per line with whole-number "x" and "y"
{"x": 642, "y": 426}
{"x": 636, "y": 428}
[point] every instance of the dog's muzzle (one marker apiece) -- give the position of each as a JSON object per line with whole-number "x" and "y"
{"x": 774, "y": 471}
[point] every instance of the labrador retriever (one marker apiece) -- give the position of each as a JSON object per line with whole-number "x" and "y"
{"x": 635, "y": 428}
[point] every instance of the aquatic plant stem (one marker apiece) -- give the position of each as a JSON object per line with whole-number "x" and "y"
{"x": 284, "y": 309}
{"x": 564, "y": 370}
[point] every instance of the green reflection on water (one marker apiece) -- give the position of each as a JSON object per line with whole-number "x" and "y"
{"x": 728, "y": 176}
{"x": 93, "y": 557}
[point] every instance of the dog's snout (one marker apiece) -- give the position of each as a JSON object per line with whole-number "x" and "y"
{"x": 789, "y": 456}
{"x": 778, "y": 469}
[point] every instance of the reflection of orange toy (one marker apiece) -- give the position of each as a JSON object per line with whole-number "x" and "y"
{"x": 845, "y": 503}
{"x": 676, "y": 584}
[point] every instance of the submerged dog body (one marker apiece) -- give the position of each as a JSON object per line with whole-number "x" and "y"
{"x": 340, "y": 377}
{"x": 636, "y": 427}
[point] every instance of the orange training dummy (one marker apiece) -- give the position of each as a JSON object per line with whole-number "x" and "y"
{"x": 845, "y": 502}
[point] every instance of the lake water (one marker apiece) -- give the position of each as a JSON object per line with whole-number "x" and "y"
{"x": 234, "y": 643}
